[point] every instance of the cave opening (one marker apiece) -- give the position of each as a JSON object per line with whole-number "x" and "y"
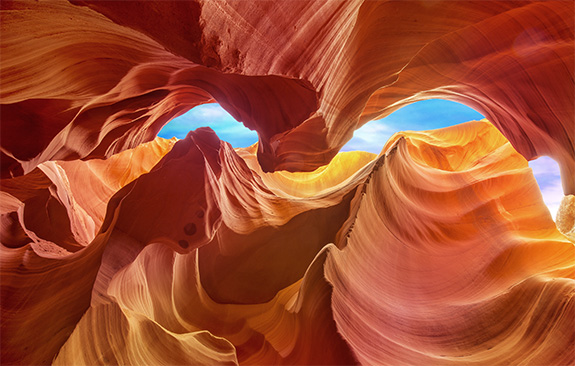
{"x": 548, "y": 177}
{"x": 423, "y": 115}
{"x": 439, "y": 113}
{"x": 214, "y": 116}
{"x": 418, "y": 116}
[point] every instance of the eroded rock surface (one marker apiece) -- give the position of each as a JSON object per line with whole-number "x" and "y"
{"x": 118, "y": 247}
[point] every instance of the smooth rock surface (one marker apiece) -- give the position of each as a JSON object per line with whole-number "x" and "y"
{"x": 118, "y": 247}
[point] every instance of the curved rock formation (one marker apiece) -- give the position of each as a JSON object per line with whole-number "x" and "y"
{"x": 119, "y": 247}
{"x": 490, "y": 253}
{"x": 304, "y": 77}
{"x": 201, "y": 254}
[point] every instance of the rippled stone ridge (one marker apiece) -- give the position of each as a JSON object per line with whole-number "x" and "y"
{"x": 118, "y": 247}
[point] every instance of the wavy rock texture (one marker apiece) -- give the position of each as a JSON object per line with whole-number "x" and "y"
{"x": 491, "y": 252}
{"x": 52, "y": 243}
{"x": 121, "y": 248}
{"x": 304, "y": 75}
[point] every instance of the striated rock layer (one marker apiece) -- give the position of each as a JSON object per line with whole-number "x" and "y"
{"x": 438, "y": 251}
{"x": 92, "y": 78}
{"x": 117, "y": 247}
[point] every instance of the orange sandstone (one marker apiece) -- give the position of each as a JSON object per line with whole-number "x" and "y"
{"x": 117, "y": 247}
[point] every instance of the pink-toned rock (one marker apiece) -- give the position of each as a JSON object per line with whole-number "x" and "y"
{"x": 120, "y": 247}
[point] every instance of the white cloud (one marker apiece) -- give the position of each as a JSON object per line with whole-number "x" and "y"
{"x": 552, "y": 196}
{"x": 546, "y": 172}
{"x": 370, "y": 137}
{"x": 544, "y": 166}
{"x": 214, "y": 116}
{"x": 211, "y": 111}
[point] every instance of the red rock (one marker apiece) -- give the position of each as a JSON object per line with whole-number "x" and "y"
{"x": 509, "y": 61}
{"x": 119, "y": 249}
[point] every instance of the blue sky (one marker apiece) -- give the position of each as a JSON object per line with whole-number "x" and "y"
{"x": 225, "y": 126}
{"x": 420, "y": 116}
{"x": 424, "y": 115}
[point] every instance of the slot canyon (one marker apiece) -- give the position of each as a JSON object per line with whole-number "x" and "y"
{"x": 119, "y": 247}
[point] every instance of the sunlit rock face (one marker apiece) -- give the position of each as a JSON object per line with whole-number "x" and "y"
{"x": 121, "y": 248}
